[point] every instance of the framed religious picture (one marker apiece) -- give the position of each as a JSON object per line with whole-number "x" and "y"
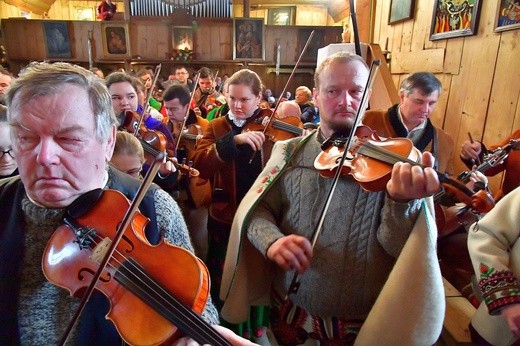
{"x": 56, "y": 37}
{"x": 248, "y": 39}
{"x": 508, "y": 15}
{"x": 182, "y": 37}
{"x": 400, "y": 10}
{"x": 453, "y": 18}
{"x": 116, "y": 41}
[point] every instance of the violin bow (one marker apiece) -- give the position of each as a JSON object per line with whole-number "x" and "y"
{"x": 289, "y": 80}
{"x": 354, "y": 27}
{"x": 125, "y": 223}
{"x": 295, "y": 283}
{"x": 187, "y": 111}
{"x": 146, "y": 105}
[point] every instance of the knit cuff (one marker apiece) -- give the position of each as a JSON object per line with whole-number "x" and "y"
{"x": 499, "y": 289}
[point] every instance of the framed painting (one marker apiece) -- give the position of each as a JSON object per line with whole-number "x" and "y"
{"x": 56, "y": 37}
{"x": 317, "y": 42}
{"x": 280, "y": 16}
{"x": 453, "y": 18}
{"x": 116, "y": 40}
{"x": 400, "y": 10}
{"x": 248, "y": 39}
{"x": 182, "y": 37}
{"x": 84, "y": 13}
{"x": 508, "y": 16}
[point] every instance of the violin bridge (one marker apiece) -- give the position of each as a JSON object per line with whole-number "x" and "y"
{"x": 99, "y": 252}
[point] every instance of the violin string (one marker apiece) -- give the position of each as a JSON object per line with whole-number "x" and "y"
{"x": 278, "y": 124}
{"x": 187, "y": 315}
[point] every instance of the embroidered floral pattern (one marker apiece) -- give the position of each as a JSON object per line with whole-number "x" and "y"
{"x": 499, "y": 288}
{"x": 268, "y": 179}
{"x": 485, "y": 271}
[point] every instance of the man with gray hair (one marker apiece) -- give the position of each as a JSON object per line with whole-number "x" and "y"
{"x": 418, "y": 94}
{"x": 63, "y": 131}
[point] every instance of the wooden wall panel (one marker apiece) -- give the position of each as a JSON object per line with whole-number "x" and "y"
{"x": 8, "y": 11}
{"x": 311, "y": 15}
{"x": 406, "y": 62}
{"x": 421, "y": 26}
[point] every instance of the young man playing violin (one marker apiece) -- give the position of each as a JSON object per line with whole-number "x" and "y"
{"x": 194, "y": 192}
{"x": 206, "y": 97}
{"x": 63, "y": 131}
{"x": 366, "y": 237}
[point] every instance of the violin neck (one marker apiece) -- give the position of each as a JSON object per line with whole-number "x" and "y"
{"x": 189, "y": 136}
{"x": 280, "y": 125}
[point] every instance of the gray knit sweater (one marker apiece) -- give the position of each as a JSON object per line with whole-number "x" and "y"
{"x": 362, "y": 234}
{"x": 45, "y": 310}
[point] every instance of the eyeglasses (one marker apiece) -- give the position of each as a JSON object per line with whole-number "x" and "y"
{"x": 9, "y": 151}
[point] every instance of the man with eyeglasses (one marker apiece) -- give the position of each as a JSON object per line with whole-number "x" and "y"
{"x": 182, "y": 77}
{"x": 8, "y": 167}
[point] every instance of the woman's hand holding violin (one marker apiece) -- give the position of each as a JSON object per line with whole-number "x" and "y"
{"x": 412, "y": 182}
{"x": 255, "y": 139}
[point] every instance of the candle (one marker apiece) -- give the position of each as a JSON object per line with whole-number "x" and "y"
{"x": 278, "y": 53}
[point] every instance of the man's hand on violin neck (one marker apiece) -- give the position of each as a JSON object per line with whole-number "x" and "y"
{"x": 412, "y": 182}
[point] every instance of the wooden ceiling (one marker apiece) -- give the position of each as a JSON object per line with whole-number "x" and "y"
{"x": 338, "y": 9}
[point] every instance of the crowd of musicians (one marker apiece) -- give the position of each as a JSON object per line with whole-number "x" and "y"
{"x": 238, "y": 187}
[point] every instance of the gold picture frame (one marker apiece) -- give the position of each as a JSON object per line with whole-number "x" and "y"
{"x": 116, "y": 40}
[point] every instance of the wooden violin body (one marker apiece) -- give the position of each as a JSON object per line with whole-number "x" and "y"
{"x": 156, "y": 292}
{"x": 274, "y": 127}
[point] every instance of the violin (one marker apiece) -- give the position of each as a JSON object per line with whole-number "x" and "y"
{"x": 189, "y": 136}
{"x": 151, "y": 302}
{"x": 450, "y": 219}
{"x": 372, "y": 159}
{"x": 275, "y": 128}
{"x": 154, "y": 142}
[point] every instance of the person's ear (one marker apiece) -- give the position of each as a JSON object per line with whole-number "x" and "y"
{"x": 111, "y": 142}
